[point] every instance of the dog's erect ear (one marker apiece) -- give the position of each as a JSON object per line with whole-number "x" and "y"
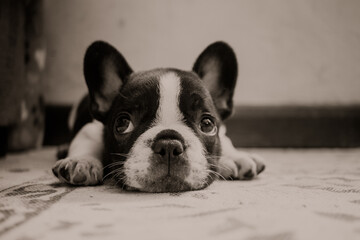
{"x": 105, "y": 70}
{"x": 217, "y": 66}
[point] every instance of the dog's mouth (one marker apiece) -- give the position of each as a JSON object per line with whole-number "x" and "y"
{"x": 160, "y": 178}
{"x": 166, "y": 183}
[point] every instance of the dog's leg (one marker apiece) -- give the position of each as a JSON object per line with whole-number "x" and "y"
{"x": 235, "y": 164}
{"x": 83, "y": 164}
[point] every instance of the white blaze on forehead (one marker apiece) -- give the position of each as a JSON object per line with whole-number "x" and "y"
{"x": 169, "y": 88}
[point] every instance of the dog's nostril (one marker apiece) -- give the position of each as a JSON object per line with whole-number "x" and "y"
{"x": 178, "y": 150}
{"x": 168, "y": 148}
{"x": 162, "y": 152}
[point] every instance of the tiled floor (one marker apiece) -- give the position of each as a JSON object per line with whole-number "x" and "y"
{"x": 303, "y": 194}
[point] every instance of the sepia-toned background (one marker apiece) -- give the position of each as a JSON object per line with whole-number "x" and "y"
{"x": 299, "y": 52}
{"x": 298, "y": 83}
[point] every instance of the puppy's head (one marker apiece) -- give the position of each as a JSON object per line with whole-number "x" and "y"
{"x": 161, "y": 126}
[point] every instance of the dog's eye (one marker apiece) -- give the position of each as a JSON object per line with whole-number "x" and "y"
{"x": 123, "y": 124}
{"x": 208, "y": 126}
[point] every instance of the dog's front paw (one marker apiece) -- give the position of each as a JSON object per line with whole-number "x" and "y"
{"x": 79, "y": 170}
{"x": 242, "y": 165}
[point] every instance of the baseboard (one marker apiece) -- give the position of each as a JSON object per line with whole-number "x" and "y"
{"x": 295, "y": 127}
{"x": 283, "y": 126}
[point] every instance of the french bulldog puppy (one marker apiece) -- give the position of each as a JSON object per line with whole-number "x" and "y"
{"x": 159, "y": 130}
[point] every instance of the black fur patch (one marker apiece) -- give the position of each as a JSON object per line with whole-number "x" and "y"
{"x": 195, "y": 102}
{"x": 139, "y": 97}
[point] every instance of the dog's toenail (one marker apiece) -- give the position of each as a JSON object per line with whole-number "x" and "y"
{"x": 73, "y": 166}
{"x": 262, "y": 168}
{"x": 249, "y": 174}
{"x": 65, "y": 174}
{"x": 54, "y": 172}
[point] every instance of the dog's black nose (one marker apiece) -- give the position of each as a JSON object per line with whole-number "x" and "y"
{"x": 168, "y": 148}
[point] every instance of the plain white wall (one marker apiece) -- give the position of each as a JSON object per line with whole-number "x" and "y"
{"x": 290, "y": 52}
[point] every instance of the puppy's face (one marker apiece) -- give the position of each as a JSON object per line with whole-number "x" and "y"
{"x": 161, "y": 126}
{"x": 166, "y": 125}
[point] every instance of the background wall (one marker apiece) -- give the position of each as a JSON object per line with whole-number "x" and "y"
{"x": 290, "y": 52}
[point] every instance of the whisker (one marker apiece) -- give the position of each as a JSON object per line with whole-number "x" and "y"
{"x": 110, "y": 173}
{"x": 113, "y": 164}
{"x": 220, "y": 167}
{"x": 113, "y": 172}
{"x": 120, "y": 154}
{"x": 217, "y": 174}
{"x": 122, "y": 179}
{"x": 211, "y": 177}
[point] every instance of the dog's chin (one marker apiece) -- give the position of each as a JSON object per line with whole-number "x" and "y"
{"x": 165, "y": 184}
